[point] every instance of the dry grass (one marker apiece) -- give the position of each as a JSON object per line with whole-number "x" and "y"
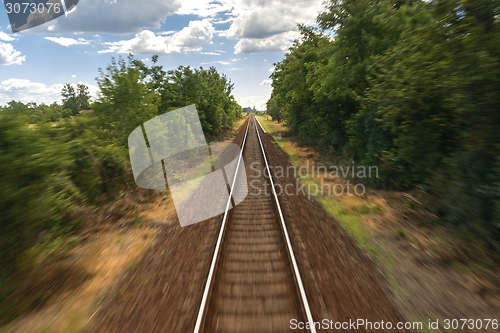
{"x": 63, "y": 291}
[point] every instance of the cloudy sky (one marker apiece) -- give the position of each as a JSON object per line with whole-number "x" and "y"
{"x": 241, "y": 38}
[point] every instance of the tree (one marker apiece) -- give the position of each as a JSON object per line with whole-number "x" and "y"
{"x": 411, "y": 86}
{"x": 125, "y": 101}
{"x": 75, "y": 100}
{"x": 69, "y": 98}
{"x": 82, "y": 97}
{"x": 48, "y": 113}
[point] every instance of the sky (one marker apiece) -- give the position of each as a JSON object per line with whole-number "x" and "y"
{"x": 241, "y": 38}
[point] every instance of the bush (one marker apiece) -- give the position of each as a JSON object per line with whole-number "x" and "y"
{"x": 31, "y": 170}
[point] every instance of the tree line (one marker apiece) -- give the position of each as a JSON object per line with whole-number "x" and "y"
{"x": 410, "y": 86}
{"x": 55, "y": 159}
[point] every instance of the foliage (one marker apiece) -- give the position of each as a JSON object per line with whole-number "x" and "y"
{"x": 132, "y": 93}
{"x": 54, "y": 158}
{"x": 75, "y": 99}
{"x": 409, "y": 86}
{"x": 32, "y": 171}
{"x": 36, "y": 114}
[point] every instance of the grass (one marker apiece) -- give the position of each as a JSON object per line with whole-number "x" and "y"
{"x": 270, "y": 126}
{"x": 351, "y": 220}
{"x": 365, "y": 209}
{"x": 132, "y": 265}
{"x": 274, "y": 128}
{"x": 75, "y": 324}
{"x": 137, "y": 221}
{"x": 400, "y": 233}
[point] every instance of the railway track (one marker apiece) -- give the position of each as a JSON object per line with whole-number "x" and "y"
{"x": 253, "y": 284}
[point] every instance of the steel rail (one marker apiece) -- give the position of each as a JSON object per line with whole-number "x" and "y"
{"x": 204, "y": 299}
{"x": 300, "y": 285}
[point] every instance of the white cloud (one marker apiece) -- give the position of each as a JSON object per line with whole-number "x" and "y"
{"x": 266, "y": 82}
{"x": 65, "y": 41}
{"x": 10, "y": 56}
{"x": 278, "y": 43}
{"x": 203, "y": 8}
{"x": 261, "y": 23}
{"x": 267, "y": 25}
{"x": 27, "y": 91}
{"x": 73, "y": 76}
{"x": 229, "y": 20}
{"x": 113, "y": 16}
{"x": 259, "y": 101}
{"x": 190, "y": 38}
{"x": 5, "y": 37}
{"x": 216, "y": 62}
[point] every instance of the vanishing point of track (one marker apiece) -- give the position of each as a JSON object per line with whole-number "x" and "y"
{"x": 253, "y": 284}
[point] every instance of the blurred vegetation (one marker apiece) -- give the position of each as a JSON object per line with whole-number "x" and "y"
{"x": 55, "y": 159}
{"x": 411, "y": 87}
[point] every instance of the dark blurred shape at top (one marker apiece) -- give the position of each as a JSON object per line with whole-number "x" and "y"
{"x": 70, "y": 4}
{"x": 25, "y": 14}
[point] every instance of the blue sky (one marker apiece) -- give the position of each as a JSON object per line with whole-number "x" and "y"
{"x": 241, "y": 38}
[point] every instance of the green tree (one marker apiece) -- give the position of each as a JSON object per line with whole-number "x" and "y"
{"x": 125, "y": 101}
{"x": 82, "y": 96}
{"x": 75, "y": 99}
{"x": 48, "y": 113}
{"x": 69, "y": 98}
{"x": 410, "y": 86}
